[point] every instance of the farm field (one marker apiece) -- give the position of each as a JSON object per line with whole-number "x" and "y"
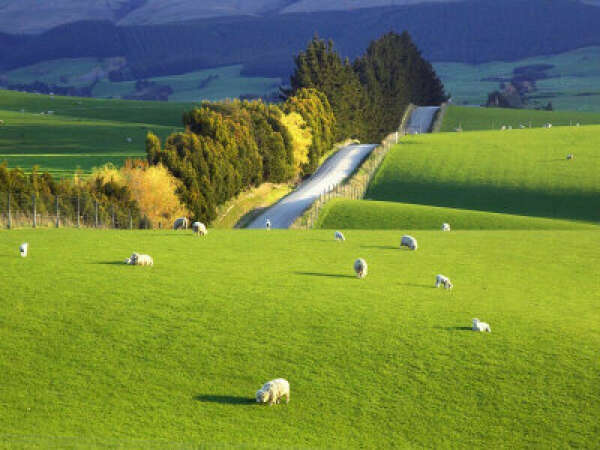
{"x": 570, "y": 79}
{"x": 477, "y": 119}
{"x": 81, "y": 133}
{"x": 210, "y": 84}
{"x": 522, "y": 172}
{"x": 95, "y": 352}
{"x": 374, "y": 215}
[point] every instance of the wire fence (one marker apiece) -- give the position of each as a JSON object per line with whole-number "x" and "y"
{"x": 47, "y": 210}
{"x": 355, "y": 187}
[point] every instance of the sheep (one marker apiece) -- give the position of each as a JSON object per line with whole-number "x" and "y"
{"x": 338, "y": 236}
{"x": 1, "y": 122}
{"x": 139, "y": 260}
{"x": 199, "y": 228}
{"x": 503, "y": 127}
{"x": 570, "y": 156}
{"x": 361, "y": 268}
{"x": 273, "y": 391}
{"x": 268, "y": 224}
{"x": 129, "y": 140}
{"x": 408, "y": 241}
{"x": 445, "y": 226}
{"x": 510, "y": 127}
{"x": 481, "y": 326}
{"x": 547, "y": 125}
{"x": 23, "y": 249}
{"x": 180, "y": 223}
{"x": 521, "y": 126}
{"x": 443, "y": 280}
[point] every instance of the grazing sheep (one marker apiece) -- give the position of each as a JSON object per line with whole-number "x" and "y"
{"x": 510, "y": 127}
{"x": 273, "y": 391}
{"x": 268, "y": 224}
{"x": 338, "y": 236}
{"x": 129, "y": 140}
{"x": 547, "y": 125}
{"x": 23, "y": 249}
{"x": 180, "y": 224}
{"x": 503, "y": 127}
{"x": 445, "y": 226}
{"x": 139, "y": 260}
{"x": 361, "y": 268}
{"x": 408, "y": 241}
{"x": 481, "y": 326}
{"x": 199, "y": 228}
{"x": 443, "y": 280}
{"x": 1, "y": 122}
{"x": 570, "y": 156}
{"x": 521, "y": 126}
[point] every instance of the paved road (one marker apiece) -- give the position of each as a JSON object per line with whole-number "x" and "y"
{"x": 332, "y": 172}
{"x": 421, "y": 120}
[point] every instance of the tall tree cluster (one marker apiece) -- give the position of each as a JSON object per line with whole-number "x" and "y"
{"x": 369, "y": 96}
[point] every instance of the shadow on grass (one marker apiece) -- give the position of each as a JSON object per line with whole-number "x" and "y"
{"x": 380, "y": 247}
{"x": 110, "y": 263}
{"x": 330, "y": 275}
{"x": 455, "y": 328}
{"x": 224, "y": 399}
{"x": 427, "y": 286}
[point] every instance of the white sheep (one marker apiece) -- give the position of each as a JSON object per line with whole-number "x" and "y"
{"x": 443, "y": 280}
{"x": 570, "y": 156}
{"x": 361, "y": 268}
{"x": 268, "y": 224}
{"x": 338, "y": 236}
{"x": 273, "y": 391}
{"x": 547, "y": 125}
{"x": 129, "y": 140}
{"x": 180, "y": 224}
{"x": 408, "y": 241}
{"x": 503, "y": 127}
{"x": 445, "y": 226}
{"x": 199, "y": 228}
{"x": 139, "y": 260}
{"x": 23, "y": 249}
{"x": 1, "y": 122}
{"x": 481, "y": 326}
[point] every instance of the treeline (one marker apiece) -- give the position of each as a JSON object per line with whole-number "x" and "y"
{"x": 369, "y": 96}
{"x": 227, "y": 147}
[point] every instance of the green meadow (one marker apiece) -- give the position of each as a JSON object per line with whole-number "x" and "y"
{"x": 81, "y": 133}
{"x": 98, "y": 353}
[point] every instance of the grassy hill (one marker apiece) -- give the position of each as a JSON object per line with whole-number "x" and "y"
{"x": 474, "y": 118}
{"x": 523, "y": 172}
{"x": 372, "y": 215}
{"x": 97, "y": 353}
{"x": 82, "y": 133}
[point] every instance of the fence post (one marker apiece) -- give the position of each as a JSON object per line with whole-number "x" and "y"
{"x": 57, "y": 213}
{"x": 33, "y": 200}
{"x": 130, "y": 220}
{"x": 9, "y": 214}
{"x": 96, "y": 210}
{"x": 112, "y": 212}
{"x": 78, "y": 212}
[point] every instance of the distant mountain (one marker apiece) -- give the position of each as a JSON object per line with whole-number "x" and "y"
{"x": 36, "y": 16}
{"x": 473, "y": 31}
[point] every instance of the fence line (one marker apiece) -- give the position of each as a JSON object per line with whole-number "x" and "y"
{"x": 355, "y": 186}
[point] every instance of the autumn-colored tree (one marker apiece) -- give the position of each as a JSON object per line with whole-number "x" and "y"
{"x": 302, "y": 137}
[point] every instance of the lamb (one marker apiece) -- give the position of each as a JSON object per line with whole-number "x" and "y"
{"x": 443, "y": 280}
{"x": 139, "y": 260}
{"x": 273, "y": 391}
{"x": 338, "y": 236}
{"x": 180, "y": 223}
{"x": 268, "y": 224}
{"x": 199, "y": 228}
{"x": 23, "y": 249}
{"x": 570, "y": 156}
{"x": 361, "y": 268}
{"x": 481, "y": 326}
{"x": 408, "y": 241}
{"x": 445, "y": 226}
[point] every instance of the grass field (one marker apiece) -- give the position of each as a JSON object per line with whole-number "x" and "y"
{"x": 210, "y": 84}
{"x": 95, "y": 352}
{"x": 473, "y": 118}
{"x": 571, "y": 84}
{"x": 82, "y": 133}
{"x": 523, "y": 172}
{"x": 373, "y": 215}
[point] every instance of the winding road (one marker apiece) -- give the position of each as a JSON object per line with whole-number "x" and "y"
{"x": 421, "y": 120}
{"x": 332, "y": 172}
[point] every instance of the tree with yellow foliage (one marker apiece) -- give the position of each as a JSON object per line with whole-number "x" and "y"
{"x": 301, "y": 138}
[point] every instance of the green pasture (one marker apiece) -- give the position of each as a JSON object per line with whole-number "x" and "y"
{"x": 522, "y": 172}
{"x": 572, "y": 84}
{"x": 98, "y": 353}
{"x": 373, "y": 215}
{"x": 470, "y": 118}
